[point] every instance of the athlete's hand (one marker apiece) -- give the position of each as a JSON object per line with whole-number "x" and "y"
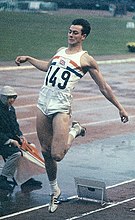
{"x": 123, "y": 116}
{"x": 21, "y": 59}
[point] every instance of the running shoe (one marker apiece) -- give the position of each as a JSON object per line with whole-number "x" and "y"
{"x": 80, "y": 129}
{"x": 54, "y": 201}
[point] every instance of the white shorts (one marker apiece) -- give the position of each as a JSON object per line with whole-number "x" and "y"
{"x": 52, "y": 101}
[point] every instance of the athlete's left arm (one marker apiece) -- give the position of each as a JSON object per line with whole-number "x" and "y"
{"x": 39, "y": 64}
{"x": 90, "y": 65}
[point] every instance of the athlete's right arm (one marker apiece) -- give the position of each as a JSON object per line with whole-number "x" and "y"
{"x": 39, "y": 64}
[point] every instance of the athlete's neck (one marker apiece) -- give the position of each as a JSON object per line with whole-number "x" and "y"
{"x": 72, "y": 49}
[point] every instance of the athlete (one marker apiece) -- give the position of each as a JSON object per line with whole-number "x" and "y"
{"x": 64, "y": 70}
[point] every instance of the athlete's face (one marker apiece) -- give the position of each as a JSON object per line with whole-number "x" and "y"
{"x": 75, "y": 35}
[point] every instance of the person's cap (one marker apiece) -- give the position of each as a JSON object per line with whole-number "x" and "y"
{"x": 8, "y": 91}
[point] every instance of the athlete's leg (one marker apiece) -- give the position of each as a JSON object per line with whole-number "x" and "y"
{"x": 59, "y": 148}
{"x": 75, "y": 131}
{"x": 45, "y": 135}
{"x": 55, "y": 140}
{"x": 62, "y": 137}
{"x": 59, "y": 145}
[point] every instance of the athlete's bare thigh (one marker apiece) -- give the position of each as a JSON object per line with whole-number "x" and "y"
{"x": 44, "y": 130}
{"x": 60, "y": 134}
{"x": 53, "y": 133}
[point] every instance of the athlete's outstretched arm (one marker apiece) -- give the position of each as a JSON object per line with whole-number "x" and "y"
{"x": 39, "y": 64}
{"x": 105, "y": 89}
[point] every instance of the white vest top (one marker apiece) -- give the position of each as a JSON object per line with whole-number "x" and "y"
{"x": 65, "y": 71}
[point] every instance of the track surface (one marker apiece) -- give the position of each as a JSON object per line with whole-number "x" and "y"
{"x": 106, "y": 153}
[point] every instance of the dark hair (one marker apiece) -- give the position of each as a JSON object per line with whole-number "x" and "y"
{"x": 86, "y": 28}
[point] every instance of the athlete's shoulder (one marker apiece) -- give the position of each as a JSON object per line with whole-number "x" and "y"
{"x": 61, "y": 48}
{"x": 87, "y": 57}
{"x": 88, "y": 61}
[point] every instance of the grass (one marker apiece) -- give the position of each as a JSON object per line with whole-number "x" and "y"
{"x": 40, "y": 35}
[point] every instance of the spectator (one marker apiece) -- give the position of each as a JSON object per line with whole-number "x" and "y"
{"x": 10, "y": 138}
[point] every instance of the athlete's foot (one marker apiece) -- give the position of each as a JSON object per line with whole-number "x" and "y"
{"x": 54, "y": 201}
{"x": 81, "y": 131}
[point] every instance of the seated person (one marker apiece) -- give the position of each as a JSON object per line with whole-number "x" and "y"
{"x": 10, "y": 138}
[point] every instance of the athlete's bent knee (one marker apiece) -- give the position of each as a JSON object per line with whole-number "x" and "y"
{"x": 53, "y": 155}
{"x": 58, "y": 156}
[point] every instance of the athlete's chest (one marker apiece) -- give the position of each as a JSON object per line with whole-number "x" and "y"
{"x": 62, "y": 62}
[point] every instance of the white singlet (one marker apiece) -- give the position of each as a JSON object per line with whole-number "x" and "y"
{"x": 64, "y": 72}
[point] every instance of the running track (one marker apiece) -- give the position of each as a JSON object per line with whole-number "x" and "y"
{"x": 104, "y": 130}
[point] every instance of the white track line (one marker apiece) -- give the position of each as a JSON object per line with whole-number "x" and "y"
{"x": 31, "y": 209}
{"x": 24, "y": 211}
{"x": 122, "y": 183}
{"x": 76, "y": 99}
{"x": 77, "y": 111}
{"x": 110, "y": 206}
{"x": 8, "y": 68}
{"x": 129, "y": 60}
{"x": 101, "y": 209}
{"x": 74, "y": 197}
{"x": 85, "y": 124}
